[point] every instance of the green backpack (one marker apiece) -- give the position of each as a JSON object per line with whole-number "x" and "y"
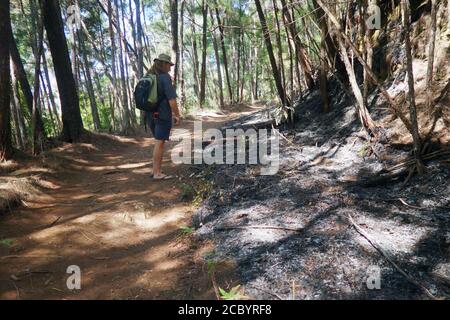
{"x": 146, "y": 93}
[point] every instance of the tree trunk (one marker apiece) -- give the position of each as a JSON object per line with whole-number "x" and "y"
{"x": 300, "y": 50}
{"x": 117, "y": 94}
{"x": 204, "y": 47}
{"x": 411, "y": 94}
{"x": 46, "y": 97}
{"x": 38, "y": 46}
{"x": 20, "y": 74}
{"x": 430, "y": 66}
{"x": 18, "y": 111}
{"x": 18, "y": 137}
{"x": 175, "y": 47}
{"x": 280, "y": 47}
{"x": 224, "y": 55}
{"x": 195, "y": 57}
{"x": 139, "y": 50}
{"x": 5, "y": 83}
{"x": 276, "y": 73}
{"x": 50, "y": 91}
{"x": 182, "y": 89}
{"x": 363, "y": 114}
{"x": 89, "y": 85}
{"x": 219, "y": 71}
{"x": 332, "y": 52}
{"x": 71, "y": 116}
{"x": 126, "y": 110}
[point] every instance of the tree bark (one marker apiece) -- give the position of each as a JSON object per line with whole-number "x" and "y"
{"x": 219, "y": 71}
{"x": 175, "y": 46}
{"x": 5, "y": 82}
{"x": 363, "y": 114}
{"x": 430, "y": 66}
{"x": 195, "y": 56}
{"x": 71, "y": 116}
{"x": 126, "y": 110}
{"x": 182, "y": 89}
{"x": 224, "y": 54}
{"x": 411, "y": 94}
{"x": 50, "y": 91}
{"x": 300, "y": 50}
{"x": 275, "y": 71}
{"x": 89, "y": 85}
{"x": 204, "y": 47}
{"x": 18, "y": 110}
{"x": 20, "y": 74}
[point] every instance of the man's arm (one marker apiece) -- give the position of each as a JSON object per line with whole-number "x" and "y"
{"x": 176, "y": 113}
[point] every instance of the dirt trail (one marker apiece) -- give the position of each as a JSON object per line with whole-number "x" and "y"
{"x": 102, "y": 212}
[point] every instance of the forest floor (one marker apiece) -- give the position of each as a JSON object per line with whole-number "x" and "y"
{"x": 95, "y": 205}
{"x": 294, "y": 234}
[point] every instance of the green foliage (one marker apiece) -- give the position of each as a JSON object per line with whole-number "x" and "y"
{"x": 362, "y": 151}
{"x": 282, "y": 114}
{"x": 202, "y": 191}
{"x": 186, "y": 230}
{"x": 233, "y": 294}
{"x": 187, "y": 191}
{"x": 7, "y": 242}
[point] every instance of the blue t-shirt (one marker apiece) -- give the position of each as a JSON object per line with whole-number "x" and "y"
{"x": 166, "y": 92}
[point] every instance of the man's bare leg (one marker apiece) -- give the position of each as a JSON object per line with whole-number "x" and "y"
{"x": 158, "y": 152}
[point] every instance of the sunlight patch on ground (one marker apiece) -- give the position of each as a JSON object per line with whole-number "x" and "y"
{"x": 133, "y": 165}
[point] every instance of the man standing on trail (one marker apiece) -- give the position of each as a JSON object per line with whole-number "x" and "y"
{"x": 160, "y": 122}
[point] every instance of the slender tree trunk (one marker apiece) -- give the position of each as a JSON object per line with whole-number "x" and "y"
{"x": 219, "y": 71}
{"x": 224, "y": 54}
{"x": 275, "y": 71}
{"x": 175, "y": 46}
{"x": 126, "y": 111}
{"x": 368, "y": 53}
{"x": 411, "y": 94}
{"x": 430, "y": 67}
{"x": 195, "y": 57}
{"x": 50, "y": 91}
{"x": 37, "y": 138}
{"x": 363, "y": 114}
{"x": 256, "y": 75}
{"x": 182, "y": 89}
{"x": 300, "y": 50}
{"x": 204, "y": 47}
{"x": 332, "y": 52}
{"x": 279, "y": 45}
{"x": 89, "y": 85}
{"x": 71, "y": 116}
{"x": 20, "y": 74}
{"x": 139, "y": 50}
{"x": 117, "y": 95}
{"x": 20, "y": 141}
{"x": 46, "y": 98}
{"x": 18, "y": 110}
{"x": 5, "y": 83}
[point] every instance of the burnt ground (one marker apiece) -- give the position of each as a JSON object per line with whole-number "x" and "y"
{"x": 313, "y": 191}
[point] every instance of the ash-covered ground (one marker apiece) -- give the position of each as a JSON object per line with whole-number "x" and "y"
{"x": 313, "y": 192}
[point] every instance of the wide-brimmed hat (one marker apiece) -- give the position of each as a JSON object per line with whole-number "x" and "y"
{"x": 165, "y": 58}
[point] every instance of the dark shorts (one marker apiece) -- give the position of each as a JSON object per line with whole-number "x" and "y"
{"x": 160, "y": 128}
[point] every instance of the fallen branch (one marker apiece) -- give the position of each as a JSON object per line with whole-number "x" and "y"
{"x": 379, "y": 249}
{"x": 260, "y": 227}
{"x": 410, "y": 161}
{"x": 266, "y": 291}
{"x": 52, "y": 224}
{"x": 30, "y": 256}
